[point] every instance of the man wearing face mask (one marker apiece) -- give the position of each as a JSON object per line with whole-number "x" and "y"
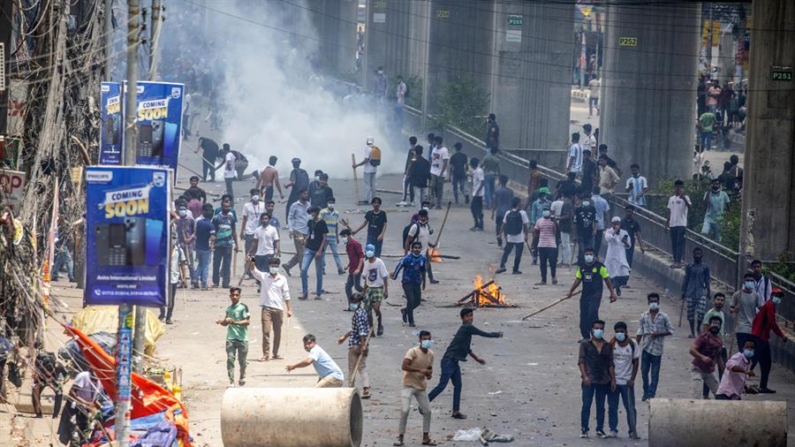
{"x": 178, "y": 262}
{"x": 717, "y": 311}
{"x": 330, "y": 215}
{"x": 358, "y": 338}
{"x": 413, "y": 266}
{"x": 355, "y": 264}
{"x": 584, "y": 226}
{"x": 598, "y": 377}
{"x": 417, "y": 370}
{"x": 764, "y": 323}
{"x": 327, "y": 369}
{"x": 313, "y": 251}
{"x": 376, "y": 285}
{"x": 715, "y": 202}
{"x": 738, "y": 370}
{"x": 186, "y": 239}
{"x": 297, "y": 222}
{"x": 653, "y": 328}
{"x": 420, "y": 231}
{"x": 591, "y": 273}
{"x": 706, "y": 355}
{"x": 223, "y": 242}
{"x": 265, "y": 245}
{"x": 251, "y": 221}
{"x": 204, "y": 231}
{"x": 546, "y": 241}
{"x": 626, "y": 355}
{"x": 274, "y": 298}
{"x": 696, "y": 289}
{"x": 616, "y": 258}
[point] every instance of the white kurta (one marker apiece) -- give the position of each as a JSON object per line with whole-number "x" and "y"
{"x": 616, "y": 259}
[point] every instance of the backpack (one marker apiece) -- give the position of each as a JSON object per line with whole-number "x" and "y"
{"x": 375, "y": 156}
{"x": 513, "y": 223}
{"x": 301, "y": 180}
{"x": 406, "y": 236}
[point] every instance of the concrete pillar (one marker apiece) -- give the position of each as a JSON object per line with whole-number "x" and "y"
{"x": 697, "y": 423}
{"x": 335, "y": 21}
{"x": 649, "y": 87}
{"x": 530, "y": 71}
{"x": 769, "y": 177}
{"x": 390, "y": 39}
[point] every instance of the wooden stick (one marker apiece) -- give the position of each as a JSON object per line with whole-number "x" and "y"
{"x": 444, "y": 221}
{"x": 554, "y": 303}
{"x": 361, "y": 356}
{"x": 355, "y": 180}
{"x": 475, "y": 291}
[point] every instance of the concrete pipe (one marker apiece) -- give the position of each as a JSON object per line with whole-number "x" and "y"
{"x": 696, "y": 423}
{"x": 291, "y": 417}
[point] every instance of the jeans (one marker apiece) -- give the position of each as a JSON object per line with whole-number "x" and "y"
{"x": 705, "y": 139}
{"x": 189, "y": 256}
{"x": 548, "y": 255}
{"x": 763, "y": 357}
{"x": 564, "y": 250}
{"x": 422, "y": 402}
{"x": 459, "y": 183}
{"x": 413, "y": 293}
{"x": 203, "y": 270}
{"x": 222, "y": 262}
{"x": 450, "y": 371}
{"x": 208, "y": 168}
{"x": 268, "y": 194}
{"x": 332, "y": 243}
{"x": 597, "y": 242}
{"x": 419, "y": 194}
{"x": 678, "y": 243}
{"x": 229, "y": 191}
{"x": 627, "y": 394}
{"x": 711, "y": 229}
{"x": 648, "y": 361}
{"x": 271, "y": 321}
{"x": 438, "y": 189}
{"x": 353, "y": 282}
{"x": 630, "y": 254}
{"x": 599, "y": 391}
{"x": 406, "y": 187}
{"x": 239, "y": 349}
{"x": 369, "y": 186}
{"x": 167, "y": 311}
{"x": 507, "y": 251}
{"x": 373, "y": 239}
{"x": 248, "y": 242}
{"x": 476, "y": 206}
{"x": 583, "y": 241}
{"x": 63, "y": 258}
{"x": 589, "y": 312}
{"x": 593, "y": 103}
{"x": 488, "y": 188}
{"x": 309, "y": 256}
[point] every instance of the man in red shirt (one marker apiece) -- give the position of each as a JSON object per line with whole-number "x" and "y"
{"x": 764, "y": 322}
{"x": 355, "y": 262}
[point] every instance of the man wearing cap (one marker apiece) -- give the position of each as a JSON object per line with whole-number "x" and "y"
{"x": 299, "y": 180}
{"x": 537, "y": 211}
{"x": 764, "y": 322}
{"x": 370, "y": 164}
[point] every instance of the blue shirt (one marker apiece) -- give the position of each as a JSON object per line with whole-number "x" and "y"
{"x": 224, "y": 227}
{"x": 274, "y": 222}
{"x": 324, "y": 365}
{"x": 602, "y": 207}
{"x": 413, "y": 267}
{"x": 204, "y": 229}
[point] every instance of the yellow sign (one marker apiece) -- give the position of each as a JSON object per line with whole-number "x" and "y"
{"x": 627, "y": 41}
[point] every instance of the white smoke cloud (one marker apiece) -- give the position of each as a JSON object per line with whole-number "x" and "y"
{"x": 275, "y": 105}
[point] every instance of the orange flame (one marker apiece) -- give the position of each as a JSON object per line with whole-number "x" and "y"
{"x": 491, "y": 293}
{"x": 433, "y": 255}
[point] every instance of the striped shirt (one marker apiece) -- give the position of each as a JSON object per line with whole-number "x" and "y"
{"x": 575, "y": 151}
{"x": 331, "y": 218}
{"x": 546, "y": 233}
{"x": 360, "y": 327}
{"x": 658, "y": 325}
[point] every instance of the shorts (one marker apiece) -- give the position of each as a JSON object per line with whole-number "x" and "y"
{"x": 373, "y": 295}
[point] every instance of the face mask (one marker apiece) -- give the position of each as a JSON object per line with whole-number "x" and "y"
{"x": 586, "y": 203}
{"x": 426, "y": 208}
{"x": 353, "y": 307}
{"x": 588, "y": 259}
{"x": 621, "y": 336}
{"x": 317, "y": 179}
{"x": 714, "y": 330}
{"x": 330, "y": 206}
{"x": 748, "y": 353}
{"x": 426, "y": 344}
{"x": 183, "y": 213}
{"x": 749, "y": 284}
{"x": 255, "y": 198}
{"x": 598, "y": 333}
{"x": 344, "y": 240}
{"x": 369, "y": 254}
{"x": 274, "y": 270}
{"x": 546, "y": 213}
{"x": 776, "y": 300}
{"x": 654, "y": 306}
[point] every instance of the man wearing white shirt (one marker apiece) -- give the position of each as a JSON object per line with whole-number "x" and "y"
{"x": 440, "y": 158}
{"x": 265, "y": 243}
{"x": 251, "y": 221}
{"x": 589, "y": 142}
{"x": 327, "y": 369}
{"x": 637, "y": 186}
{"x": 230, "y": 173}
{"x": 274, "y": 298}
{"x": 575, "y": 154}
{"x": 678, "y": 206}
{"x": 370, "y": 170}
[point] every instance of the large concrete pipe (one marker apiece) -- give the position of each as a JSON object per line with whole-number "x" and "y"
{"x": 291, "y": 417}
{"x": 696, "y": 423}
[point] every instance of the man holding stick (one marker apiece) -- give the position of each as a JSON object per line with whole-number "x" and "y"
{"x": 590, "y": 273}
{"x": 358, "y": 338}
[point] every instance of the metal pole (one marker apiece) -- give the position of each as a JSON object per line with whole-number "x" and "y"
{"x": 425, "y": 69}
{"x": 583, "y": 53}
{"x": 157, "y": 9}
{"x": 124, "y": 354}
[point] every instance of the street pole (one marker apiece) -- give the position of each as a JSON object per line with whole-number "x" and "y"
{"x": 157, "y": 10}
{"x": 425, "y": 69}
{"x": 124, "y": 354}
{"x": 583, "y": 53}
{"x": 108, "y": 39}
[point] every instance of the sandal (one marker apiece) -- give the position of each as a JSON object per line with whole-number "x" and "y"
{"x": 366, "y": 393}
{"x": 278, "y": 357}
{"x": 429, "y": 442}
{"x": 459, "y": 416}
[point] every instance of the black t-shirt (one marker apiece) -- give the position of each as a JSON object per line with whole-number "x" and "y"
{"x": 209, "y": 149}
{"x": 588, "y": 174}
{"x": 459, "y": 162}
{"x": 316, "y": 232}
{"x": 565, "y": 224}
{"x": 375, "y": 223}
{"x": 584, "y": 217}
{"x": 631, "y": 227}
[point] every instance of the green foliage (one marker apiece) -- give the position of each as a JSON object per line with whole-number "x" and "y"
{"x": 414, "y": 84}
{"x": 695, "y": 189}
{"x": 785, "y": 266}
{"x": 464, "y": 105}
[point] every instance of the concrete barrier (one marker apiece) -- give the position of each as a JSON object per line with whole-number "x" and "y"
{"x": 698, "y": 423}
{"x": 291, "y": 417}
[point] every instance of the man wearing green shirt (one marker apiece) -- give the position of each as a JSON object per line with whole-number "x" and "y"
{"x": 236, "y": 321}
{"x": 491, "y": 170}
{"x": 706, "y": 122}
